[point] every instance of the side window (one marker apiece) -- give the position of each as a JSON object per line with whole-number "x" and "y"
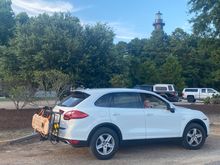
{"x": 126, "y": 100}
{"x": 170, "y": 88}
{"x": 103, "y": 101}
{"x": 211, "y": 90}
{"x": 151, "y": 101}
{"x": 160, "y": 88}
{"x": 203, "y": 90}
{"x": 191, "y": 90}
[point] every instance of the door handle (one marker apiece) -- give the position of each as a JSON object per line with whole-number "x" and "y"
{"x": 150, "y": 114}
{"x": 116, "y": 114}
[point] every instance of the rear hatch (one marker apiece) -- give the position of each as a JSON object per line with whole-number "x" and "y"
{"x": 68, "y": 110}
{"x": 70, "y": 102}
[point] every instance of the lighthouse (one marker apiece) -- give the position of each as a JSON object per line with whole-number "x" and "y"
{"x": 158, "y": 23}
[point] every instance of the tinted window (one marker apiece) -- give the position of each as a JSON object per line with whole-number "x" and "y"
{"x": 191, "y": 90}
{"x": 170, "y": 88}
{"x": 74, "y": 99}
{"x": 126, "y": 100}
{"x": 161, "y": 88}
{"x": 151, "y": 101}
{"x": 103, "y": 101}
{"x": 203, "y": 90}
{"x": 211, "y": 91}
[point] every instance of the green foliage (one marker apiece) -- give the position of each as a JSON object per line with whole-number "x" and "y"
{"x": 120, "y": 81}
{"x": 51, "y": 80}
{"x": 148, "y": 74}
{"x": 6, "y": 21}
{"x": 157, "y": 47}
{"x": 215, "y": 99}
{"x": 19, "y": 90}
{"x": 207, "y": 100}
{"x": 206, "y": 21}
{"x": 96, "y": 59}
{"x": 50, "y": 51}
{"x": 171, "y": 72}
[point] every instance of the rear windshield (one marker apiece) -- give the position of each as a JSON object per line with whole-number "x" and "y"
{"x": 74, "y": 99}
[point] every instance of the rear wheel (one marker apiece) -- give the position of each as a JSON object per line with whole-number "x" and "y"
{"x": 191, "y": 99}
{"x": 104, "y": 143}
{"x": 194, "y": 137}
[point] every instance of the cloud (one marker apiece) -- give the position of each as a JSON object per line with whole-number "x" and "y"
{"x": 124, "y": 32}
{"x": 35, "y": 7}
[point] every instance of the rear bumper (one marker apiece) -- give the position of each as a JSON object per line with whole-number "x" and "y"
{"x": 74, "y": 143}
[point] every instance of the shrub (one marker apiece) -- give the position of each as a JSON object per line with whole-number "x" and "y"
{"x": 207, "y": 100}
{"x": 215, "y": 99}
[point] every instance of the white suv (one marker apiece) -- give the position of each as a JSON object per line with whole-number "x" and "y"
{"x": 104, "y": 118}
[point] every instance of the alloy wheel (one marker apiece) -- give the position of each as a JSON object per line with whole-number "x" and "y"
{"x": 194, "y": 137}
{"x": 105, "y": 144}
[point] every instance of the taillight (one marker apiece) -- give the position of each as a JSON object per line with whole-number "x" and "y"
{"x": 61, "y": 111}
{"x": 74, "y": 114}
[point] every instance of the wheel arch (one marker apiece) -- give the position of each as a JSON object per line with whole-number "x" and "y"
{"x": 197, "y": 121}
{"x": 107, "y": 125}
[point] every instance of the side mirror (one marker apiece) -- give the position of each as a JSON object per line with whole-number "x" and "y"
{"x": 171, "y": 108}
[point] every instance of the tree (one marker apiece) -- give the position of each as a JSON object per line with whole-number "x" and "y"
{"x": 44, "y": 42}
{"x": 148, "y": 74}
{"x": 206, "y": 21}
{"x": 7, "y": 21}
{"x": 52, "y": 81}
{"x": 120, "y": 81}
{"x": 157, "y": 47}
{"x": 19, "y": 90}
{"x": 96, "y": 60}
{"x": 171, "y": 72}
{"x": 22, "y": 18}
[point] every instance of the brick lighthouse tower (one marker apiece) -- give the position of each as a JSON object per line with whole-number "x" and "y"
{"x": 158, "y": 23}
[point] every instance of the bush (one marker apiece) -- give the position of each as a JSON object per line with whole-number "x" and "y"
{"x": 207, "y": 100}
{"x": 215, "y": 99}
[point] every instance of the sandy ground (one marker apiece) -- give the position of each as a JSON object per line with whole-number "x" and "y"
{"x": 44, "y": 153}
{"x": 15, "y": 133}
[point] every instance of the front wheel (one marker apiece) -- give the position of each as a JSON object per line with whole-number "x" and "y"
{"x": 104, "y": 143}
{"x": 194, "y": 137}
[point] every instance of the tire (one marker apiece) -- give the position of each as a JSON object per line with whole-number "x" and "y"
{"x": 104, "y": 143}
{"x": 194, "y": 137}
{"x": 191, "y": 99}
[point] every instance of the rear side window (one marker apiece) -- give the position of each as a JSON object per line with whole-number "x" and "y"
{"x": 74, "y": 99}
{"x": 126, "y": 100}
{"x": 191, "y": 90}
{"x": 103, "y": 101}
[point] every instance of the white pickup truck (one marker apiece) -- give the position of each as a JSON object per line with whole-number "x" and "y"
{"x": 193, "y": 94}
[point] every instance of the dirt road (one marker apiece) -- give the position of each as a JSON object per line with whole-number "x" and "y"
{"x": 44, "y": 153}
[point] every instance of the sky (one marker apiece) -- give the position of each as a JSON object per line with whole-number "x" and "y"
{"x": 129, "y": 19}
